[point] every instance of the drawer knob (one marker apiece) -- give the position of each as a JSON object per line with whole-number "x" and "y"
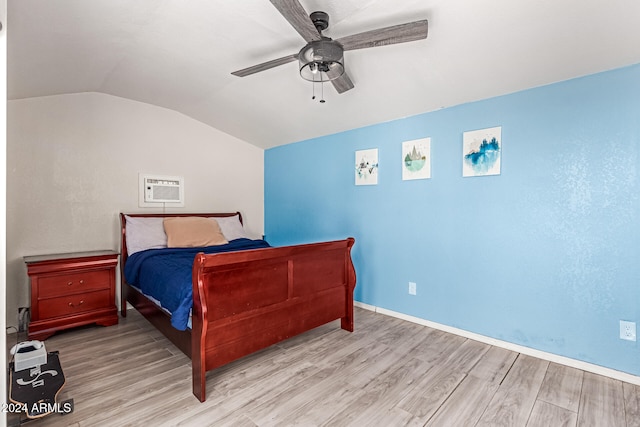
{"x": 79, "y": 304}
{"x": 81, "y": 281}
{"x": 70, "y": 283}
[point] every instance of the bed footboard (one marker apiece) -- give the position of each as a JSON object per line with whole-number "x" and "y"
{"x": 246, "y": 301}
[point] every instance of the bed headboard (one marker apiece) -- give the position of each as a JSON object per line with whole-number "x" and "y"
{"x": 123, "y": 225}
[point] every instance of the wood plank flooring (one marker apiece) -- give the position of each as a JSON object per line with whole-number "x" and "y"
{"x": 388, "y": 372}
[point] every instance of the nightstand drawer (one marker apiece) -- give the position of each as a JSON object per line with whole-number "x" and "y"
{"x": 53, "y": 286}
{"x": 72, "y": 304}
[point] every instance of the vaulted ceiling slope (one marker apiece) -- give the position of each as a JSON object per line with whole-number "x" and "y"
{"x": 180, "y": 54}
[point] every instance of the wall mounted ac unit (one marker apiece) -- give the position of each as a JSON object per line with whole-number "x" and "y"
{"x": 159, "y": 189}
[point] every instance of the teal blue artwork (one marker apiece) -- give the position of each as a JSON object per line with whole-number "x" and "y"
{"x": 416, "y": 159}
{"x": 482, "y": 152}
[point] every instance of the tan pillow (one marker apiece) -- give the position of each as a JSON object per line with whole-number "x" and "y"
{"x": 192, "y": 231}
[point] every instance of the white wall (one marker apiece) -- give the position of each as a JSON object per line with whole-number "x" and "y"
{"x": 73, "y": 164}
{"x": 3, "y": 200}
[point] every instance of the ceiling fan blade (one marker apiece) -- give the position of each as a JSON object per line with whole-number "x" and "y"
{"x": 342, "y": 83}
{"x": 265, "y": 65}
{"x": 299, "y": 19}
{"x": 389, "y": 35}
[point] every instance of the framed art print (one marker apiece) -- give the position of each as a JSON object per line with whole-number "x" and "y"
{"x": 416, "y": 159}
{"x": 367, "y": 167}
{"x": 482, "y": 152}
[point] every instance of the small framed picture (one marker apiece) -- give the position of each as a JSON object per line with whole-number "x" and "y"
{"x": 416, "y": 159}
{"x": 482, "y": 152}
{"x": 367, "y": 167}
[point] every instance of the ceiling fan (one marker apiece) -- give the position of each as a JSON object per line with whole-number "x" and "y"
{"x": 322, "y": 59}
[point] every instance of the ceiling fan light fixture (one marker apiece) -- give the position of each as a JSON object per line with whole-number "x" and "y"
{"x": 321, "y": 60}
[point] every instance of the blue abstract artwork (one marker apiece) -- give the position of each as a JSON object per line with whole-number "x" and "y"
{"x": 482, "y": 152}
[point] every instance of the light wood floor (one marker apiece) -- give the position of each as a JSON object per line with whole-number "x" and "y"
{"x": 388, "y": 372}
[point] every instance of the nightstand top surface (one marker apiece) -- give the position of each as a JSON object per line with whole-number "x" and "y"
{"x": 53, "y": 257}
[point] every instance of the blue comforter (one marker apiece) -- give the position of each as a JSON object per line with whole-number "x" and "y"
{"x": 165, "y": 274}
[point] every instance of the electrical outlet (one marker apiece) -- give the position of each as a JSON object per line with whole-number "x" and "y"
{"x": 412, "y": 288}
{"x": 627, "y": 330}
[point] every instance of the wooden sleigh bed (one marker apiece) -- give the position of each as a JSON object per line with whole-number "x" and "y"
{"x": 248, "y": 300}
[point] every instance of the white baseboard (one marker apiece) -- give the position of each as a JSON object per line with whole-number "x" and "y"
{"x": 562, "y": 360}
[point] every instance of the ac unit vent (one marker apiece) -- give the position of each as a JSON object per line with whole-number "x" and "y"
{"x": 155, "y": 189}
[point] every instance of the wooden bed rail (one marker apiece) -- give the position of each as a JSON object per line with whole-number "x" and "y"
{"x": 245, "y": 301}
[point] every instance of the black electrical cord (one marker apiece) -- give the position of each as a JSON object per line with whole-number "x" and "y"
{"x": 17, "y": 331}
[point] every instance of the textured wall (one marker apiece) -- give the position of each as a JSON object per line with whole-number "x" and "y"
{"x": 544, "y": 255}
{"x": 73, "y": 165}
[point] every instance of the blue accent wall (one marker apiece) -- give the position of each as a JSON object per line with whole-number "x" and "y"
{"x": 545, "y": 255}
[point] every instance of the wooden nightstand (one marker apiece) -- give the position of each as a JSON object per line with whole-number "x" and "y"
{"x": 69, "y": 290}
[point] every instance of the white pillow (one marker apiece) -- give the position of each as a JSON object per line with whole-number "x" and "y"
{"x": 231, "y": 227}
{"x": 145, "y": 233}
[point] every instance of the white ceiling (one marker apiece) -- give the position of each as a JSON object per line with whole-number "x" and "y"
{"x": 179, "y": 54}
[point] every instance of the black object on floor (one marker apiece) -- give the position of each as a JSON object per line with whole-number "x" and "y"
{"x": 35, "y": 390}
